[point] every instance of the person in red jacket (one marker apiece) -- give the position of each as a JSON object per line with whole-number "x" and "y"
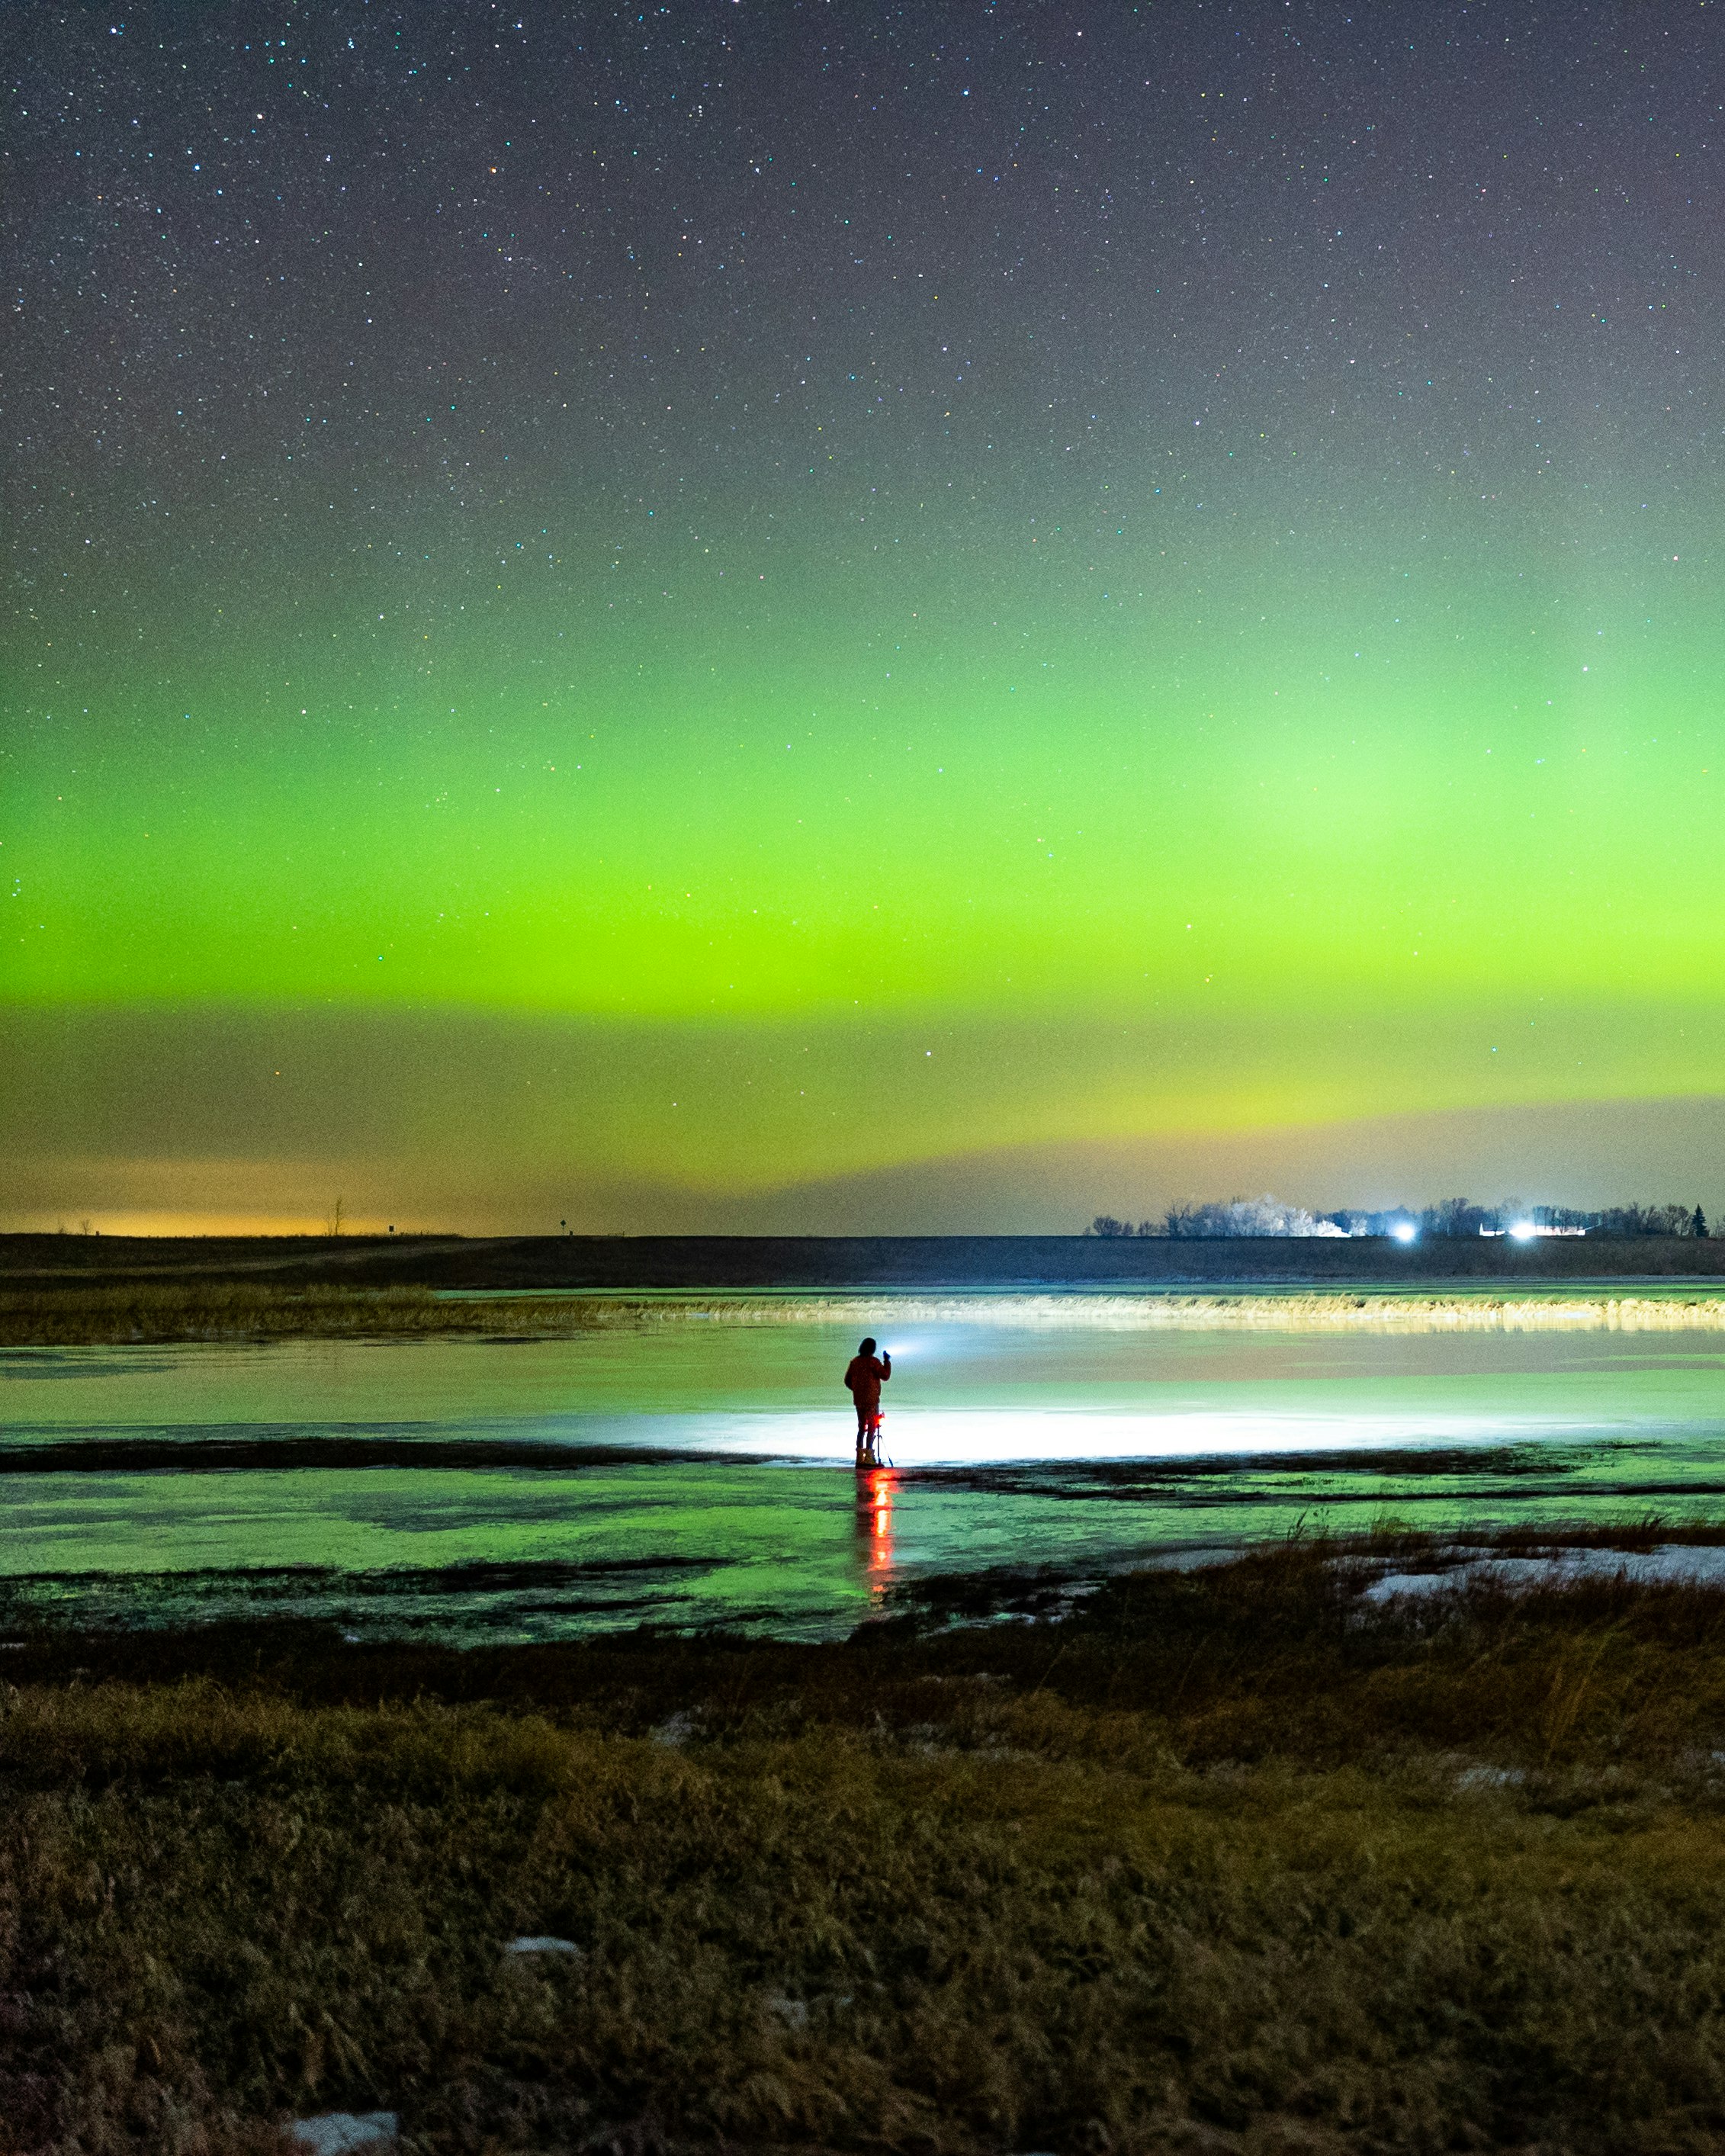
{"x": 863, "y": 1380}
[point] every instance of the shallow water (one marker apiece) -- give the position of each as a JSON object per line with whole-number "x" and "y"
{"x": 692, "y": 1471}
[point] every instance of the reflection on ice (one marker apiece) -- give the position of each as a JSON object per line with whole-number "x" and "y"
{"x": 874, "y": 1493}
{"x": 956, "y": 1437}
{"x": 701, "y": 1473}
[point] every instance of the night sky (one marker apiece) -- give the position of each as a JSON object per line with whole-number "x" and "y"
{"x": 851, "y": 616}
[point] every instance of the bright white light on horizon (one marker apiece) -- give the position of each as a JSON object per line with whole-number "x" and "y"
{"x": 1523, "y": 1231}
{"x": 1404, "y": 1231}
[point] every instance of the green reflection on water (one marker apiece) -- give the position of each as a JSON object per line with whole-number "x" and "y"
{"x": 1076, "y": 1452}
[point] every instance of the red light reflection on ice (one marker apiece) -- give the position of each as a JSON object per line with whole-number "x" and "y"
{"x": 876, "y": 1490}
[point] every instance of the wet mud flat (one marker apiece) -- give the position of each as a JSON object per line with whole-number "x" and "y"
{"x": 1228, "y": 1857}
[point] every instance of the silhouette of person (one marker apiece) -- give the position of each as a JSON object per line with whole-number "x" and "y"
{"x": 863, "y": 1380}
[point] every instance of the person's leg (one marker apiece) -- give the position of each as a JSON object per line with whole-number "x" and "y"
{"x": 862, "y": 1437}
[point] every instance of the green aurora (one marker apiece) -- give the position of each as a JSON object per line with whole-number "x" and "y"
{"x": 596, "y": 836}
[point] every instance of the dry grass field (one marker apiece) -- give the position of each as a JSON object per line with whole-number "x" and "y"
{"x": 167, "y": 1312}
{"x": 114, "y": 1313}
{"x": 1232, "y": 1861}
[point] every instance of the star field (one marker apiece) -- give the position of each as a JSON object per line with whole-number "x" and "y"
{"x": 691, "y": 601}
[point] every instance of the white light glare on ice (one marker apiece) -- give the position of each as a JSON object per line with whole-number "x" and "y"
{"x": 920, "y": 1437}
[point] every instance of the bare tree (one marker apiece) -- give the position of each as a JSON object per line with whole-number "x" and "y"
{"x": 1458, "y": 1216}
{"x": 337, "y": 1219}
{"x": 1247, "y": 1216}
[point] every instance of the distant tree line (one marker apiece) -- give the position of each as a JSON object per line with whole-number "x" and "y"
{"x": 1449, "y": 1216}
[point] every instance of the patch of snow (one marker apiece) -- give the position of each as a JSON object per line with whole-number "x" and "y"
{"x": 1392, "y": 1583}
{"x": 333, "y": 2132}
{"x": 1683, "y": 1561}
{"x": 541, "y": 1943}
{"x": 1693, "y": 1562}
{"x": 1490, "y": 1778}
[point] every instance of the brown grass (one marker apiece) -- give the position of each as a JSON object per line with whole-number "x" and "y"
{"x": 169, "y": 1312}
{"x": 1233, "y": 1861}
{"x": 159, "y": 1311}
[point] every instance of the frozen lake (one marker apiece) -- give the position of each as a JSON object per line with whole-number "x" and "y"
{"x": 690, "y": 1469}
